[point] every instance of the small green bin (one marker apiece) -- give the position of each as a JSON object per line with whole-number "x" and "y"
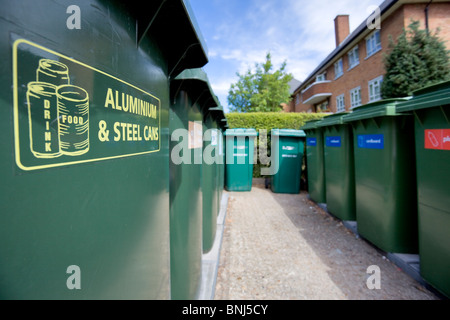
{"x": 239, "y": 159}
{"x": 339, "y": 166}
{"x": 314, "y": 161}
{"x": 431, "y": 108}
{"x": 288, "y": 145}
{"x": 385, "y": 179}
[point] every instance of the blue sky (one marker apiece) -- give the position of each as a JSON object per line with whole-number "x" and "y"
{"x": 239, "y": 33}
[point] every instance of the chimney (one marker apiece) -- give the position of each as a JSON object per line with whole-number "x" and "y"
{"x": 341, "y": 28}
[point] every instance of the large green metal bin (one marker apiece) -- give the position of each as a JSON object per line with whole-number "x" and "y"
{"x": 315, "y": 161}
{"x": 212, "y": 166}
{"x": 186, "y": 206}
{"x": 288, "y": 145}
{"x": 84, "y": 196}
{"x": 239, "y": 159}
{"x": 431, "y": 109}
{"x": 339, "y": 166}
{"x": 385, "y": 178}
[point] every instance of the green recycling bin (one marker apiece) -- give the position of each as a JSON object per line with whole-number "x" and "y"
{"x": 210, "y": 174}
{"x": 84, "y": 156}
{"x": 431, "y": 108}
{"x": 186, "y": 207}
{"x": 385, "y": 176}
{"x": 314, "y": 161}
{"x": 288, "y": 145}
{"x": 339, "y": 166}
{"x": 239, "y": 155}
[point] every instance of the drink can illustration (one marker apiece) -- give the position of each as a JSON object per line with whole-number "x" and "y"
{"x": 52, "y": 71}
{"x": 73, "y": 115}
{"x": 42, "y": 118}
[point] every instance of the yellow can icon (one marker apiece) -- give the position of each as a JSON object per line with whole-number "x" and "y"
{"x": 73, "y": 116}
{"x": 43, "y": 120}
{"x": 52, "y": 71}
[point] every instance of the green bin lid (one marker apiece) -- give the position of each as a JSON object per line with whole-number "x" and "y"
{"x": 428, "y": 97}
{"x": 241, "y": 132}
{"x": 288, "y": 133}
{"x": 381, "y": 108}
{"x": 333, "y": 119}
{"x": 311, "y": 124}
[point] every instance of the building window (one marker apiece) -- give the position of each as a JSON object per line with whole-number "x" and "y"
{"x": 320, "y": 77}
{"x": 340, "y": 103}
{"x": 322, "y": 107}
{"x": 373, "y": 43}
{"x": 297, "y": 98}
{"x": 353, "y": 57}
{"x": 338, "y": 69}
{"x": 375, "y": 89}
{"x": 355, "y": 97}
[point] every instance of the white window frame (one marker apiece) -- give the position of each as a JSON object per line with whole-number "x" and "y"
{"x": 373, "y": 43}
{"x": 320, "y": 77}
{"x": 338, "y": 68}
{"x": 340, "y": 103}
{"x": 353, "y": 57}
{"x": 355, "y": 97}
{"x": 375, "y": 89}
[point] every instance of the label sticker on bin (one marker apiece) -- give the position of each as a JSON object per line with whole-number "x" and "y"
{"x": 437, "y": 139}
{"x": 333, "y": 141}
{"x": 311, "y": 142}
{"x": 371, "y": 141}
{"x": 67, "y": 112}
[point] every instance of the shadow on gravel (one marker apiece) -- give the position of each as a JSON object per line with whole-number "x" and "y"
{"x": 347, "y": 256}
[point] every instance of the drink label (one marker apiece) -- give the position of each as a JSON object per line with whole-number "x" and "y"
{"x": 67, "y": 112}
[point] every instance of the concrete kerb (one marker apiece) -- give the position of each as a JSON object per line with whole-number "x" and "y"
{"x": 210, "y": 260}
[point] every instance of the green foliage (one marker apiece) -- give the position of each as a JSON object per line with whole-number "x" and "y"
{"x": 418, "y": 59}
{"x": 262, "y": 90}
{"x": 268, "y": 121}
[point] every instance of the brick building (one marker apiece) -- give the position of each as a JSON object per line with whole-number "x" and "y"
{"x": 351, "y": 75}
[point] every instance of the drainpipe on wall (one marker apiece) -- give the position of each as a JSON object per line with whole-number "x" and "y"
{"x": 426, "y": 16}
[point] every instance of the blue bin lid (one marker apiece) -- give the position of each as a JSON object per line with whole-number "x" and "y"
{"x": 288, "y": 133}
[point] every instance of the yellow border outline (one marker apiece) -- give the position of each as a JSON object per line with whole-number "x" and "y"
{"x": 16, "y": 110}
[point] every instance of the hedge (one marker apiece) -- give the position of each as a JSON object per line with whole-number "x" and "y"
{"x": 268, "y": 121}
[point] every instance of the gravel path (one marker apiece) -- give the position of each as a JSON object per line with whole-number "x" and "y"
{"x": 282, "y": 246}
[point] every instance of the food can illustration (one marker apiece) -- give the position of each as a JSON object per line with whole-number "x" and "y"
{"x": 73, "y": 115}
{"x": 43, "y": 120}
{"x": 53, "y": 72}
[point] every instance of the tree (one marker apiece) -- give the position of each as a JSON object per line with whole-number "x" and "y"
{"x": 262, "y": 90}
{"x": 417, "y": 60}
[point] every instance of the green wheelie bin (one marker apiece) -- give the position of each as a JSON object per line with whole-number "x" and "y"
{"x": 385, "y": 176}
{"x": 431, "y": 109}
{"x": 288, "y": 145}
{"x": 239, "y": 159}
{"x": 186, "y": 193}
{"x": 339, "y": 166}
{"x": 84, "y": 154}
{"x": 315, "y": 161}
{"x": 212, "y": 159}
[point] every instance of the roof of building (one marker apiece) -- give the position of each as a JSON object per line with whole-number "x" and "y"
{"x": 384, "y": 7}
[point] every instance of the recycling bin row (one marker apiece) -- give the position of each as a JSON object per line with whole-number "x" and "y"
{"x": 386, "y": 165}
{"x": 286, "y": 166}
{"x": 92, "y": 204}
